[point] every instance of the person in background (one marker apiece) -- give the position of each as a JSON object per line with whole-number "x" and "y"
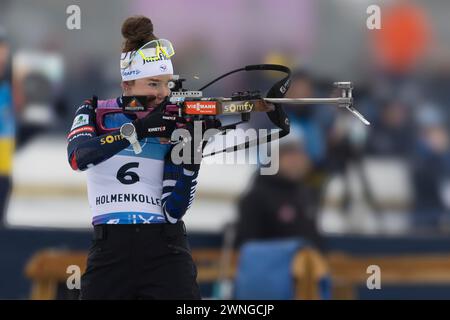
{"x": 393, "y": 133}
{"x": 7, "y": 132}
{"x": 306, "y": 117}
{"x": 281, "y": 205}
{"x": 431, "y": 171}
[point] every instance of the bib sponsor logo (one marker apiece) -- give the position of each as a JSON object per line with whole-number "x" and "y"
{"x": 127, "y": 197}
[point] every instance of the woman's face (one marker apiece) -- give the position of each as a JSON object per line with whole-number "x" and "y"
{"x": 157, "y": 86}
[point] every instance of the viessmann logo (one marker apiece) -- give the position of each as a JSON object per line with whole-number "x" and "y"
{"x": 200, "y": 107}
{"x": 238, "y": 107}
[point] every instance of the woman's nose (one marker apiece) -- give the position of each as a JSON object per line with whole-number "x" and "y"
{"x": 164, "y": 92}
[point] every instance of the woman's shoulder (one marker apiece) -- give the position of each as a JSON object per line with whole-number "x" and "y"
{"x": 85, "y": 106}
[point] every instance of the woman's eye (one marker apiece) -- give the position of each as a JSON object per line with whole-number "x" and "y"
{"x": 153, "y": 84}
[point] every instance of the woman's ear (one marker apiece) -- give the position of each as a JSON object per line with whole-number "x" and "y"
{"x": 126, "y": 86}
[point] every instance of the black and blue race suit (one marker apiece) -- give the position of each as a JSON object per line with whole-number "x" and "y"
{"x": 140, "y": 248}
{"x": 124, "y": 187}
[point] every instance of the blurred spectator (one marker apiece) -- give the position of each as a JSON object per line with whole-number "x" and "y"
{"x": 431, "y": 170}
{"x": 393, "y": 133}
{"x": 6, "y": 127}
{"x": 281, "y": 205}
{"x": 305, "y": 116}
{"x": 37, "y": 77}
{"x": 346, "y": 141}
{"x": 438, "y": 82}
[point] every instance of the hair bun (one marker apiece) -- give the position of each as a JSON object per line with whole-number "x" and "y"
{"x": 137, "y": 31}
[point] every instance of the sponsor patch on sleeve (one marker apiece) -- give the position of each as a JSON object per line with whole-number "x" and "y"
{"x": 80, "y": 120}
{"x": 82, "y": 134}
{"x": 79, "y": 130}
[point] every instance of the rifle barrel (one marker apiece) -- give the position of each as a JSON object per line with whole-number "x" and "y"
{"x": 340, "y": 101}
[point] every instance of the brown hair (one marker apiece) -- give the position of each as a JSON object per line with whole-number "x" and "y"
{"x": 137, "y": 31}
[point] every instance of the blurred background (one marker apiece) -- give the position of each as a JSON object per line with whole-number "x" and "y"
{"x": 346, "y": 196}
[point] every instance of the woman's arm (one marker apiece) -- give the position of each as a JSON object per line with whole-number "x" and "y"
{"x": 85, "y": 148}
{"x": 179, "y": 187}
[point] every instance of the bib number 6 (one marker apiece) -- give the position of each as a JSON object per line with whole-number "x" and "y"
{"x": 128, "y": 177}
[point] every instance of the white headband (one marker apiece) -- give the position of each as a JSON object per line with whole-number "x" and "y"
{"x": 142, "y": 64}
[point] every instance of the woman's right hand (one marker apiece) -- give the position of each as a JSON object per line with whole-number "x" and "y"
{"x": 156, "y": 124}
